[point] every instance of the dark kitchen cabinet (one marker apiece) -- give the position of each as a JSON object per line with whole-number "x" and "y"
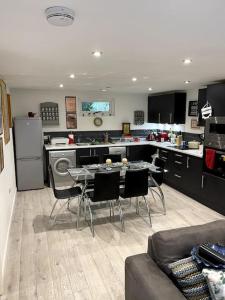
{"x": 100, "y": 151}
{"x": 213, "y": 191}
{"x": 140, "y": 152}
{"x": 202, "y": 99}
{"x": 216, "y": 98}
{"x": 82, "y": 152}
{"x": 167, "y": 108}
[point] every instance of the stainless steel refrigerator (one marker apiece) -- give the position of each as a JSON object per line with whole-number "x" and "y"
{"x": 29, "y": 153}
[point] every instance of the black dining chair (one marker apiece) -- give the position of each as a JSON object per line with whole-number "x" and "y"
{"x": 106, "y": 188}
{"x": 156, "y": 180}
{"x": 89, "y": 160}
{"x": 63, "y": 194}
{"x": 114, "y": 157}
{"x": 136, "y": 185}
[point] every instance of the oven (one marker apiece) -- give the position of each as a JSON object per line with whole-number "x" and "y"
{"x": 215, "y": 133}
{"x": 214, "y": 147}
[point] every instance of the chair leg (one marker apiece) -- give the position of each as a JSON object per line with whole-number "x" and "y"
{"x": 137, "y": 206}
{"x": 110, "y": 210}
{"x": 53, "y": 208}
{"x": 161, "y": 197}
{"x": 61, "y": 208}
{"x": 148, "y": 208}
{"x": 78, "y": 211}
{"x": 91, "y": 217}
{"x": 121, "y": 215}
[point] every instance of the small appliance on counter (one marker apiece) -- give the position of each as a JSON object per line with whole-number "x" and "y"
{"x": 193, "y": 144}
{"x": 59, "y": 141}
{"x": 71, "y": 139}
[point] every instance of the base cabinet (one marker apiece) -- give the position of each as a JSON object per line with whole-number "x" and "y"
{"x": 139, "y": 152}
{"x": 213, "y": 192}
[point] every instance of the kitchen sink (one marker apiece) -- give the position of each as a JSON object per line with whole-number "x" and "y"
{"x": 83, "y": 144}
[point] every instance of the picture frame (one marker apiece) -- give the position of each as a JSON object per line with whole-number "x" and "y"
{"x": 71, "y": 112}
{"x": 1, "y": 155}
{"x": 9, "y": 110}
{"x": 5, "y": 115}
{"x": 194, "y": 124}
{"x": 126, "y": 128}
{"x": 193, "y": 108}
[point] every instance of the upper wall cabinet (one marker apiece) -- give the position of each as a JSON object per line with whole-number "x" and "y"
{"x": 167, "y": 108}
{"x": 216, "y": 98}
{"x": 202, "y": 99}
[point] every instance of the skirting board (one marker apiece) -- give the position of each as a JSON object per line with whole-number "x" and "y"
{"x": 2, "y": 270}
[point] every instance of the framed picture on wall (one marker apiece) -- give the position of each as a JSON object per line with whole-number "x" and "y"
{"x": 194, "y": 124}
{"x": 193, "y": 108}
{"x": 71, "y": 112}
{"x": 1, "y": 125}
{"x": 126, "y": 128}
{"x": 9, "y": 110}
{"x": 5, "y": 114}
{"x": 1, "y": 155}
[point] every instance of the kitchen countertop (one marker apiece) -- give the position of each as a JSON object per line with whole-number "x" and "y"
{"x": 165, "y": 145}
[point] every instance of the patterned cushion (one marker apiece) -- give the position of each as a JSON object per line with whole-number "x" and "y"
{"x": 216, "y": 283}
{"x": 190, "y": 279}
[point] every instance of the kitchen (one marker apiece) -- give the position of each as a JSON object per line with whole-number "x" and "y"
{"x": 139, "y": 101}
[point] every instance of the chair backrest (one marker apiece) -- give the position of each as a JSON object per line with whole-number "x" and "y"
{"x": 89, "y": 160}
{"x": 136, "y": 183}
{"x": 52, "y": 181}
{"x": 159, "y": 177}
{"x": 106, "y": 186}
{"x": 114, "y": 157}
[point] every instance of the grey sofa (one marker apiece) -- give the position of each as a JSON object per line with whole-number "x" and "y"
{"x": 147, "y": 276}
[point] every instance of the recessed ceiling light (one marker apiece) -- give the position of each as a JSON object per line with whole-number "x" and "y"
{"x": 72, "y": 76}
{"x": 61, "y": 85}
{"x": 134, "y": 79}
{"x": 103, "y": 90}
{"x": 187, "y": 81}
{"x": 187, "y": 61}
{"x": 150, "y": 89}
{"x": 97, "y": 53}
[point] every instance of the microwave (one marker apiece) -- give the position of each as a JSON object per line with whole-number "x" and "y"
{"x": 215, "y": 132}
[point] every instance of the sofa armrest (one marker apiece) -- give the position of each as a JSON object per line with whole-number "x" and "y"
{"x": 144, "y": 280}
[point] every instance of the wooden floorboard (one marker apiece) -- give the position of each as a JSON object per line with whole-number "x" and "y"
{"x": 63, "y": 263}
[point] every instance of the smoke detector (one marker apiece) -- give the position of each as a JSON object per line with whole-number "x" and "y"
{"x": 60, "y": 15}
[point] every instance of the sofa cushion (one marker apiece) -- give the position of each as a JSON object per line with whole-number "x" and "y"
{"x": 190, "y": 280}
{"x": 216, "y": 283}
{"x": 172, "y": 245}
{"x": 144, "y": 280}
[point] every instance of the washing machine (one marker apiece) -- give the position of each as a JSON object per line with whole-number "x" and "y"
{"x": 60, "y": 161}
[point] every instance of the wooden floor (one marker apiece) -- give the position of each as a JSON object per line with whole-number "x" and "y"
{"x": 63, "y": 263}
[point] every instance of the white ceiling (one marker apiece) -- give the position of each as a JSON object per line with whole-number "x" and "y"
{"x": 143, "y": 38}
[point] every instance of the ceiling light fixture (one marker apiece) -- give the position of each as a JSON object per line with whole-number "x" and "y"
{"x": 61, "y": 85}
{"x": 187, "y": 81}
{"x": 72, "y": 76}
{"x": 187, "y": 61}
{"x": 134, "y": 79}
{"x": 103, "y": 90}
{"x": 150, "y": 89}
{"x": 97, "y": 53}
{"x": 59, "y": 15}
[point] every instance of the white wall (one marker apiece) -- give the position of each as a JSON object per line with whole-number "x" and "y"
{"x": 24, "y": 100}
{"x": 7, "y": 198}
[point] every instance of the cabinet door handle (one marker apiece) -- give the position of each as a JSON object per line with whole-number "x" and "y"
{"x": 94, "y": 152}
{"x": 188, "y": 166}
{"x": 159, "y": 117}
{"x": 203, "y": 179}
{"x": 178, "y": 155}
{"x": 178, "y": 162}
{"x": 163, "y": 157}
{"x": 90, "y": 151}
{"x": 128, "y": 153}
{"x": 170, "y": 118}
{"x": 164, "y": 151}
{"x": 178, "y": 176}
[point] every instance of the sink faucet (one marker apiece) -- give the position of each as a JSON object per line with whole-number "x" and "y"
{"x": 92, "y": 140}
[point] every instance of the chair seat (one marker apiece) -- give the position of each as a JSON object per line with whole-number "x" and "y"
{"x": 68, "y": 193}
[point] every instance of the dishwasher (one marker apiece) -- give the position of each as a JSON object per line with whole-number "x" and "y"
{"x": 118, "y": 150}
